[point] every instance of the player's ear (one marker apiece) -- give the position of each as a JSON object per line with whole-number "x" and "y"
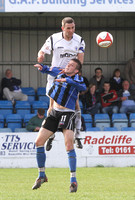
{"x": 77, "y": 71}
{"x": 62, "y": 28}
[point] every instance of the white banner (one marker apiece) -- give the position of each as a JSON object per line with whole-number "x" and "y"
{"x": 109, "y": 144}
{"x": 17, "y": 145}
{"x": 67, "y": 5}
{"x": 115, "y": 149}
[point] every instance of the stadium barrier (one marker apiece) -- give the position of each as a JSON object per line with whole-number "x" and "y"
{"x": 108, "y": 149}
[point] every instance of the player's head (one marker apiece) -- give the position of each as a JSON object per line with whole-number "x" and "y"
{"x": 67, "y": 20}
{"x": 73, "y": 67}
{"x": 68, "y": 27}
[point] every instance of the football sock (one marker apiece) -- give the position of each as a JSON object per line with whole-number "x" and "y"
{"x": 78, "y": 119}
{"x": 73, "y": 177}
{"x": 41, "y": 158}
{"x": 72, "y": 165}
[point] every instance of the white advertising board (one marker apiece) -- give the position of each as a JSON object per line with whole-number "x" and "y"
{"x": 109, "y": 144}
{"x": 67, "y": 5}
{"x": 99, "y": 149}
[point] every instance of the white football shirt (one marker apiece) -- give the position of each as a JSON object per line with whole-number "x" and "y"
{"x": 63, "y": 50}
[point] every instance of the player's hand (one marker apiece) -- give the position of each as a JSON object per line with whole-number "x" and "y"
{"x": 62, "y": 71}
{"x": 38, "y": 66}
{"x": 61, "y": 80}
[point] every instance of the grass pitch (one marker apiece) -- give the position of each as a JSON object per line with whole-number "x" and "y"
{"x": 97, "y": 183}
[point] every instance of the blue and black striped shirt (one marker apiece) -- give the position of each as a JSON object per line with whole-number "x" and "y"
{"x": 65, "y": 93}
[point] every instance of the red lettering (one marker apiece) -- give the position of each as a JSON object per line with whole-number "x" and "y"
{"x": 101, "y": 140}
{"x": 87, "y": 139}
{"x": 129, "y": 140}
{"x": 107, "y": 141}
{"x": 115, "y": 139}
{"x": 94, "y": 141}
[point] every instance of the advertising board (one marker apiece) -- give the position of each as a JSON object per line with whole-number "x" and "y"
{"x": 67, "y": 5}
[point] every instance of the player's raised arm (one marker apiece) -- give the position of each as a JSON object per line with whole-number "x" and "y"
{"x": 41, "y": 56}
{"x": 80, "y": 57}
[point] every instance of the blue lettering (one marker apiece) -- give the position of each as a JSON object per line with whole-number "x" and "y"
{"x": 23, "y": 1}
{"x": 52, "y": 2}
{"x": 119, "y": 2}
{"x": 110, "y": 1}
{"x": 29, "y": 144}
{"x": 3, "y": 146}
{"x": 33, "y": 1}
{"x": 7, "y": 136}
{"x": 15, "y": 146}
{"x": 44, "y": 1}
{"x": 99, "y": 1}
{"x": 9, "y": 146}
{"x": 92, "y": 2}
{"x": 11, "y": 138}
{"x": 83, "y": 2}
{"x": 17, "y": 138}
{"x": 12, "y": 1}
{"x": 65, "y": 1}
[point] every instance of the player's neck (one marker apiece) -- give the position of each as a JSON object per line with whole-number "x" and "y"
{"x": 66, "y": 37}
{"x": 70, "y": 74}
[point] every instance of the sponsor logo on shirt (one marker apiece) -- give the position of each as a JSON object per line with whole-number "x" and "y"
{"x": 67, "y": 55}
{"x": 60, "y": 47}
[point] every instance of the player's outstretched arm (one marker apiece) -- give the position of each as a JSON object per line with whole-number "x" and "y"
{"x": 53, "y": 71}
{"x": 60, "y": 80}
{"x": 38, "y": 66}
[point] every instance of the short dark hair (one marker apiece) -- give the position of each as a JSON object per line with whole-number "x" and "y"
{"x": 41, "y": 111}
{"x": 107, "y": 82}
{"x": 79, "y": 65}
{"x": 98, "y": 68}
{"x": 67, "y": 20}
{"x": 116, "y": 70}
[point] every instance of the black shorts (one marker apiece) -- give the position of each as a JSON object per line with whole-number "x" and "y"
{"x": 58, "y": 120}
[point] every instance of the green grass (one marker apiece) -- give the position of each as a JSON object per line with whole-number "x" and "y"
{"x": 97, "y": 183}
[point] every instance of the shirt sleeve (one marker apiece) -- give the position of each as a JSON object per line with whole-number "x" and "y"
{"x": 82, "y": 46}
{"x": 53, "y": 71}
{"x": 77, "y": 82}
{"x": 47, "y": 47}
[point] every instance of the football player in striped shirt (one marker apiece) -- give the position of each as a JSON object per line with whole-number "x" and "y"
{"x": 64, "y": 91}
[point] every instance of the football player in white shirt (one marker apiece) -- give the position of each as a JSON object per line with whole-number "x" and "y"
{"x": 65, "y": 45}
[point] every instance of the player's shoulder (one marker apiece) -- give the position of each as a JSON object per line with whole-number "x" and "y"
{"x": 77, "y": 37}
{"x": 57, "y": 36}
{"x": 79, "y": 78}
